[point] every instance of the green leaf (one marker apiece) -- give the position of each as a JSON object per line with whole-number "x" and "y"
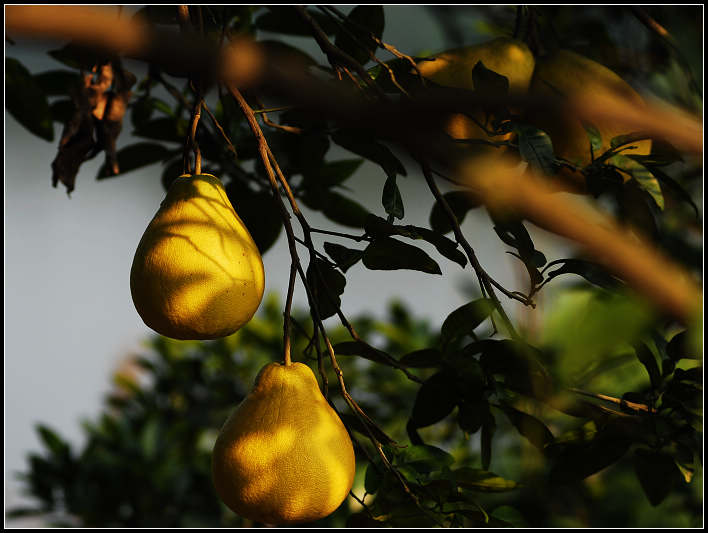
{"x": 343, "y": 256}
{"x": 134, "y": 157}
{"x": 327, "y": 286}
{"x": 52, "y": 441}
{"x": 26, "y": 101}
{"x": 628, "y": 138}
{"x": 536, "y": 148}
{"x": 391, "y": 198}
{"x": 427, "y": 358}
{"x": 464, "y": 319}
{"x": 424, "y": 458}
{"x": 149, "y": 438}
{"x": 641, "y": 174}
{"x": 436, "y": 399}
{"x": 481, "y": 480}
{"x": 529, "y": 426}
{"x": 362, "y": 144}
{"x": 657, "y": 474}
{"x": 391, "y": 254}
{"x": 594, "y": 138}
{"x": 459, "y": 202}
{"x": 354, "y": 38}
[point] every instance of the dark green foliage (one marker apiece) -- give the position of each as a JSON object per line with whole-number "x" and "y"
{"x": 26, "y": 100}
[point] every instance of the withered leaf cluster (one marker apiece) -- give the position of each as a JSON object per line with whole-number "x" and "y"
{"x": 100, "y": 101}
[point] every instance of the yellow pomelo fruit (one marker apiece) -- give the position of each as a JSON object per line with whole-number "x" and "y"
{"x": 453, "y": 68}
{"x": 568, "y": 74}
{"x": 283, "y": 456}
{"x": 196, "y": 274}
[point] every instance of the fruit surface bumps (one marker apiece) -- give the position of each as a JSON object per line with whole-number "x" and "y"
{"x": 283, "y": 456}
{"x": 197, "y": 273}
{"x": 453, "y": 68}
{"x": 568, "y": 74}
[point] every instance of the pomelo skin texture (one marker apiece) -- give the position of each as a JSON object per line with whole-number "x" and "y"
{"x": 568, "y": 74}
{"x": 196, "y": 274}
{"x": 283, "y": 456}
{"x": 453, "y": 68}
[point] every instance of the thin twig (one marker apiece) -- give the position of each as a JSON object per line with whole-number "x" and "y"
{"x": 486, "y": 281}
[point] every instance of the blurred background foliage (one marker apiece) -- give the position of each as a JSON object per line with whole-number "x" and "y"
{"x": 146, "y": 459}
{"x": 591, "y": 419}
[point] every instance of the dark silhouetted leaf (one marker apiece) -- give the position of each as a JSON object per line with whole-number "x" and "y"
{"x": 391, "y": 254}
{"x": 427, "y": 358}
{"x": 344, "y": 211}
{"x": 679, "y": 347}
{"x": 460, "y": 202}
{"x": 362, "y": 349}
{"x": 362, "y": 144}
{"x": 327, "y": 286}
{"x": 286, "y": 20}
{"x": 26, "y": 101}
{"x": 646, "y": 357}
{"x": 675, "y": 187}
{"x": 464, "y": 319}
{"x": 136, "y": 156}
{"x": 391, "y": 198}
{"x": 628, "y": 138}
{"x": 78, "y": 57}
{"x": 62, "y": 110}
{"x": 259, "y": 213}
{"x": 579, "y": 461}
{"x": 489, "y": 426}
{"x": 489, "y": 83}
{"x": 529, "y": 426}
{"x": 285, "y": 52}
{"x": 57, "y": 82}
{"x": 592, "y": 272}
{"x": 436, "y": 399}
{"x": 172, "y": 171}
{"x": 472, "y": 414}
{"x": 343, "y": 256}
{"x": 166, "y": 129}
{"x": 337, "y": 172}
{"x": 379, "y": 227}
{"x": 354, "y": 38}
{"x": 373, "y": 478}
{"x": 657, "y": 474}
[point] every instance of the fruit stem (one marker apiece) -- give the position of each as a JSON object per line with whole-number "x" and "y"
{"x": 286, "y": 314}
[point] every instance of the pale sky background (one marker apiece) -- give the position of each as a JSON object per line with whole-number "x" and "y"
{"x": 69, "y": 317}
